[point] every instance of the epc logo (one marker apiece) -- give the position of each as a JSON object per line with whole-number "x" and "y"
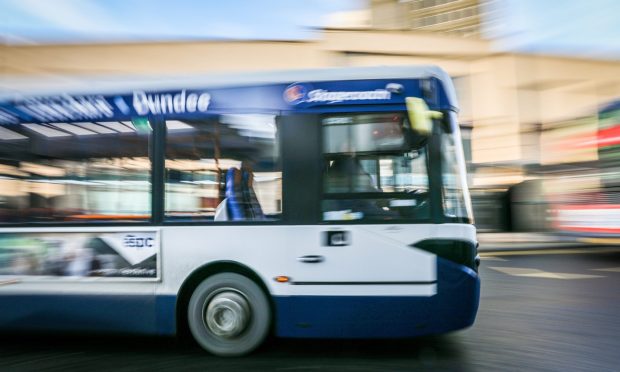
{"x": 132, "y": 241}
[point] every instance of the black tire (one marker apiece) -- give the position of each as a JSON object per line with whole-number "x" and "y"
{"x": 208, "y": 294}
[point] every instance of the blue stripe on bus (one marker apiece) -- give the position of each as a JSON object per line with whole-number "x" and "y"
{"x": 165, "y": 307}
{"x": 140, "y": 314}
{"x": 267, "y": 98}
{"x": 453, "y": 307}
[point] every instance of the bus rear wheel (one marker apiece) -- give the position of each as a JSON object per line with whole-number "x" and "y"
{"x": 229, "y": 314}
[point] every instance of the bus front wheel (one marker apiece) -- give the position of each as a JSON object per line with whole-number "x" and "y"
{"x": 228, "y": 314}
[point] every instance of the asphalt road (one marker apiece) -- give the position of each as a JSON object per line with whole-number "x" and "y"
{"x": 540, "y": 311}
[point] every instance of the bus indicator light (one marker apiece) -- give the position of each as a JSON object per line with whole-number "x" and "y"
{"x": 282, "y": 279}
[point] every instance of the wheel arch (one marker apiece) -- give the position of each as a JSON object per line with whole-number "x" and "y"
{"x": 205, "y": 271}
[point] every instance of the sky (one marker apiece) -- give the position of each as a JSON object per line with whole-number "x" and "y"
{"x": 41, "y": 21}
{"x": 589, "y": 28}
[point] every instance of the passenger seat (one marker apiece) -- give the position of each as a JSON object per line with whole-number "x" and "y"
{"x": 231, "y": 208}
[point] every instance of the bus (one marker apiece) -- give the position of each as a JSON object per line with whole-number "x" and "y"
{"x": 301, "y": 204}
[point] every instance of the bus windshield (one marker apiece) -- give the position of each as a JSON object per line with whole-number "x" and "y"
{"x": 370, "y": 170}
{"x": 455, "y": 194}
{"x": 376, "y": 170}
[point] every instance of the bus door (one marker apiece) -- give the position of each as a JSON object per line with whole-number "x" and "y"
{"x": 364, "y": 180}
{"x": 351, "y": 259}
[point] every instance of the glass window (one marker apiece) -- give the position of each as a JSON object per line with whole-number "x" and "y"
{"x": 223, "y": 168}
{"x": 371, "y": 172}
{"x": 456, "y": 200}
{"x": 51, "y": 172}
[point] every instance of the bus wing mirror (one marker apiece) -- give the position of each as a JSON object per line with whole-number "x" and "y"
{"x": 420, "y": 117}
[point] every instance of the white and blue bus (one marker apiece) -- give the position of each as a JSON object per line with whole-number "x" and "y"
{"x": 314, "y": 204}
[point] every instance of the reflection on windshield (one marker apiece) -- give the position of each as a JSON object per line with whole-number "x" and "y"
{"x": 370, "y": 171}
{"x": 456, "y": 200}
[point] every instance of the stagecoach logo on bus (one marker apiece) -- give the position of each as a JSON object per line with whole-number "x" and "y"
{"x": 297, "y": 93}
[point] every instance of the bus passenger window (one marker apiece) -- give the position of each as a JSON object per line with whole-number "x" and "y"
{"x": 223, "y": 168}
{"x": 74, "y": 172}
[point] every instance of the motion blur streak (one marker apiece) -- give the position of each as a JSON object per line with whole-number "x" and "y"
{"x": 539, "y": 119}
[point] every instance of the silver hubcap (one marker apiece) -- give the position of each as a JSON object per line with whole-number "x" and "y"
{"x": 227, "y": 314}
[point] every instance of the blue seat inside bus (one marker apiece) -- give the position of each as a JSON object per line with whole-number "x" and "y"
{"x": 240, "y": 201}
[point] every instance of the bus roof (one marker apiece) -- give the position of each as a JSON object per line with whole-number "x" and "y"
{"x": 125, "y": 84}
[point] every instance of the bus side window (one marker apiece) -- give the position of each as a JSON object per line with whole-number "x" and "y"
{"x": 75, "y": 172}
{"x": 252, "y": 205}
{"x": 223, "y": 168}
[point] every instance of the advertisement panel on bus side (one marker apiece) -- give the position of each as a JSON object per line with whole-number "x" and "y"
{"x": 132, "y": 254}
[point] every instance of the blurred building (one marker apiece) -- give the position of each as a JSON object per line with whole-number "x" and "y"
{"x": 517, "y": 109}
{"x": 450, "y": 17}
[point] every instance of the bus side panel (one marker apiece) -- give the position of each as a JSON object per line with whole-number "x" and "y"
{"x": 79, "y": 312}
{"x": 186, "y": 249}
{"x": 81, "y": 279}
{"x": 347, "y": 310}
{"x": 453, "y": 307}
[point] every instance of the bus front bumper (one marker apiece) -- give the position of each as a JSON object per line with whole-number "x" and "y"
{"x": 453, "y": 307}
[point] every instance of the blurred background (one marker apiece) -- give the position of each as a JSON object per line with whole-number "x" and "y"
{"x": 538, "y": 81}
{"x": 539, "y": 88}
